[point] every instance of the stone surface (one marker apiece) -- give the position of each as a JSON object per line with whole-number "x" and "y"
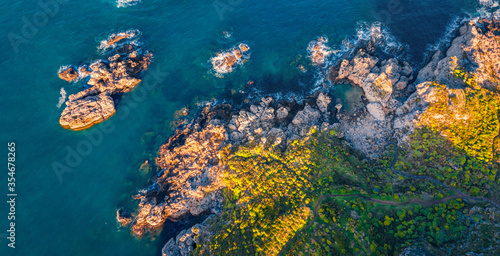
{"x": 376, "y": 110}
{"x": 476, "y": 49}
{"x": 224, "y": 62}
{"x": 85, "y": 112}
{"x": 186, "y": 241}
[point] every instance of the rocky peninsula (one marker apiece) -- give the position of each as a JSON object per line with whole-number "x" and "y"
{"x": 454, "y": 98}
{"x": 108, "y": 79}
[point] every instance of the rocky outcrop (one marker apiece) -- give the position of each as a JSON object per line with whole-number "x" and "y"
{"x": 378, "y": 78}
{"x": 225, "y": 62}
{"x": 109, "y": 79}
{"x": 116, "y": 38}
{"x": 69, "y": 74}
{"x": 85, "y": 112}
{"x": 318, "y": 51}
{"x": 476, "y": 50}
{"x": 190, "y": 175}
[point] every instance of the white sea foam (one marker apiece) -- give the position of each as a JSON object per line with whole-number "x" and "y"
{"x": 125, "y": 3}
{"x": 376, "y": 32}
{"x": 488, "y": 3}
{"x": 62, "y": 99}
{"x": 488, "y": 9}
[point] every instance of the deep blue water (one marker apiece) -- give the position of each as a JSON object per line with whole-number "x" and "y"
{"x": 74, "y": 213}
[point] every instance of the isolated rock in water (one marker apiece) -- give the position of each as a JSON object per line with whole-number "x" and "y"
{"x": 377, "y": 88}
{"x": 116, "y": 75}
{"x": 83, "y": 71}
{"x": 376, "y": 110}
{"x": 225, "y": 61}
{"x": 69, "y": 74}
{"x": 84, "y": 113}
{"x": 318, "y": 51}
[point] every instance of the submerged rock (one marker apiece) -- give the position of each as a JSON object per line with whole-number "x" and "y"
{"x": 112, "y": 77}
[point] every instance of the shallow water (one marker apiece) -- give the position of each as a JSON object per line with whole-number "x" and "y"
{"x": 74, "y": 213}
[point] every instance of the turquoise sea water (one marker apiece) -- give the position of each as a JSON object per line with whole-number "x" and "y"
{"x": 73, "y": 213}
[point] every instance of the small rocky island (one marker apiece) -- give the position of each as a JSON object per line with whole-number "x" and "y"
{"x": 413, "y": 172}
{"x": 108, "y": 79}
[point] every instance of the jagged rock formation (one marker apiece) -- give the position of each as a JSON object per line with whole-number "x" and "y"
{"x": 476, "y": 49}
{"x": 318, "y": 51}
{"x": 377, "y": 77}
{"x": 109, "y": 78}
{"x": 224, "y": 62}
{"x": 190, "y": 175}
{"x": 69, "y": 74}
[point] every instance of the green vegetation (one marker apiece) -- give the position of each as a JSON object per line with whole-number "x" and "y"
{"x": 435, "y": 156}
{"x": 468, "y": 118}
{"x": 271, "y": 197}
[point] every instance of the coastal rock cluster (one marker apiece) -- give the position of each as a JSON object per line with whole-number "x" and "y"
{"x": 382, "y": 77}
{"x": 107, "y": 79}
{"x": 396, "y": 97}
{"x": 225, "y": 61}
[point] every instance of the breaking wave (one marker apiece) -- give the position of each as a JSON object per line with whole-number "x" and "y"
{"x": 125, "y": 3}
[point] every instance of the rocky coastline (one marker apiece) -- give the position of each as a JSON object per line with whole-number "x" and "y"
{"x": 190, "y": 166}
